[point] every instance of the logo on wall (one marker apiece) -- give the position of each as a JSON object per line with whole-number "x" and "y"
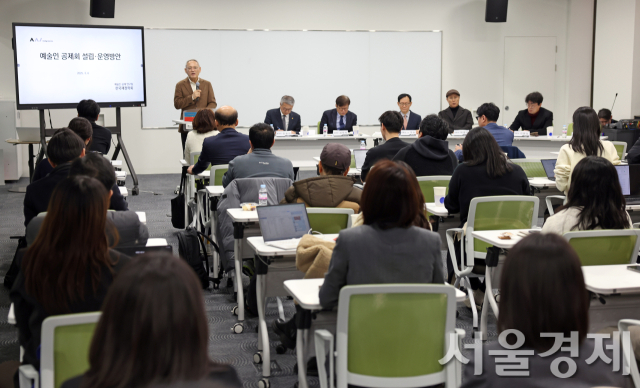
{"x": 39, "y": 40}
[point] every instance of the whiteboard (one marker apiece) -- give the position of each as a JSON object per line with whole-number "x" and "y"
{"x": 252, "y": 70}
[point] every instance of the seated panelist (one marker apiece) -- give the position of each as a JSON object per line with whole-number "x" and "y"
{"x": 411, "y": 120}
{"x": 456, "y": 116}
{"x": 283, "y": 118}
{"x": 339, "y": 118}
{"x": 535, "y": 118}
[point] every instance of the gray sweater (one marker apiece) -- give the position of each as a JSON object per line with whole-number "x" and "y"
{"x": 369, "y": 255}
{"x": 258, "y": 164}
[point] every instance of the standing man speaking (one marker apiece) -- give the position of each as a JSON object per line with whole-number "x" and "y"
{"x": 193, "y": 93}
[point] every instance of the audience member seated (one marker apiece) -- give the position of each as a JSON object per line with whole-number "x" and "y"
{"x": 63, "y": 148}
{"x": 153, "y": 330}
{"x": 333, "y": 188}
{"x": 204, "y": 126}
{"x": 284, "y": 118}
{"x": 339, "y": 118}
{"x": 430, "y": 154}
{"x": 542, "y": 291}
{"x": 69, "y": 266}
{"x": 485, "y": 172}
{"x": 584, "y": 142}
{"x": 101, "y": 140}
{"x": 488, "y": 114}
{"x": 456, "y": 116}
{"x": 606, "y": 119}
{"x": 259, "y": 162}
{"x": 394, "y": 245}
{"x": 79, "y": 125}
{"x": 131, "y": 231}
{"x": 595, "y": 200}
{"x": 391, "y": 123}
{"x": 228, "y": 144}
{"x": 535, "y": 118}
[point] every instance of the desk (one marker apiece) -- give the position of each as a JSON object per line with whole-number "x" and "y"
{"x": 300, "y": 147}
{"x": 491, "y": 237}
{"x": 306, "y": 293}
{"x": 142, "y": 216}
{"x": 443, "y": 217}
{"x": 123, "y": 191}
{"x": 241, "y": 220}
{"x": 31, "y": 162}
{"x": 269, "y": 282}
{"x": 619, "y": 287}
{"x": 542, "y": 183}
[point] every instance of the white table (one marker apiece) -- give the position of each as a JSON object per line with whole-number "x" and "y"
{"x": 542, "y": 183}
{"x": 269, "y": 282}
{"x": 619, "y": 287}
{"x": 241, "y": 220}
{"x": 306, "y": 293}
{"x": 142, "y": 216}
{"x": 300, "y": 147}
{"x": 439, "y": 211}
{"x": 157, "y": 242}
{"x": 123, "y": 191}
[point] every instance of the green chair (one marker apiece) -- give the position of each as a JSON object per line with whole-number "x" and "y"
{"x": 329, "y": 220}
{"x": 353, "y": 160}
{"x": 319, "y": 129}
{"x": 66, "y": 340}
{"x": 427, "y": 183}
{"x": 532, "y": 167}
{"x": 621, "y": 148}
{"x": 569, "y": 129}
{"x": 629, "y": 360}
{"x": 392, "y": 335}
{"x": 217, "y": 172}
{"x": 488, "y": 213}
{"x": 605, "y": 247}
{"x": 548, "y": 199}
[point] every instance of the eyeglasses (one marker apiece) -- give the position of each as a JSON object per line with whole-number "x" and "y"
{"x": 532, "y": 104}
{"x": 404, "y": 103}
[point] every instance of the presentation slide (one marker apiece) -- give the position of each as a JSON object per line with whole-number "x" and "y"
{"x": 63, "y": 65}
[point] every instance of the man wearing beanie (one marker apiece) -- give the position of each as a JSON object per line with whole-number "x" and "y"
{"x": 333, "y": 188}
{"x": 456, "y": 116}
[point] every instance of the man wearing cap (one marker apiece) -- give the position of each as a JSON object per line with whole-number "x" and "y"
{"x": 333, "y": 188}
{"x": 456, "y": 116}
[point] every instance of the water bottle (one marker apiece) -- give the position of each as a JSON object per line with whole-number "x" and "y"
{"x": 564, "y": 131}
{"x": 262, "y": 196}
{"x": 325, "y": 130}
{"x": 362, "y": 145}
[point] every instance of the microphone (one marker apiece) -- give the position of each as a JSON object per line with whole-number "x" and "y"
{"x": 198, "y": 88}
{"x": 614, "y": 102}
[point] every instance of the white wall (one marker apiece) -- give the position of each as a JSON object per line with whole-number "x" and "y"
{"x": 473, "y": 51}
{"x": 635, "y": 94}
{"x": 614, "y": 64}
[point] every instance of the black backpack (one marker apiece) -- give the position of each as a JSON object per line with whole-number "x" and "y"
{"x": 192, "y": 250}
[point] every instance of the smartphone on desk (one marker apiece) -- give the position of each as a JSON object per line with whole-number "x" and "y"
{"x": 635, "y": 268}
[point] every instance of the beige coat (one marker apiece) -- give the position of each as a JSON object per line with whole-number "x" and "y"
{"x": 568, "y": 158}
{"x": 313, "y": 256}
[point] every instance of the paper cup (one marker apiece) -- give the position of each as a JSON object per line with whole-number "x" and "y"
{"x": 356, "y": 130}
{"x": 438, "y": 195}
{"x": 550, "y": 131}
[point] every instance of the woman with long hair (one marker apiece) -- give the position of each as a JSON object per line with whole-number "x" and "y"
{"x": 542, "y": 291}
{"x": 69, "y": 266}
{"x": 153, "y": 330}
{"x": 584, "y": 142}
{"x": 595, "y": 200}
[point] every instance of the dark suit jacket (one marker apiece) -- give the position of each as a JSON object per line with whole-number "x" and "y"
{"x": 633, "y": 155}
{"x": 463, "y": 119}
{"x": 330, "y": 117}
{"x": 117, "y": 200}
{"x": 387, "y": 150}
{"x": 543, "y": 120}
{"x": 36, "y": 200}
{"x": 414, "y": 120}
{"x": 221, "y": 149}
{"x": 274, "y": 116}
{"x": 182, "y": 97}
{"x": 101, "y": 139}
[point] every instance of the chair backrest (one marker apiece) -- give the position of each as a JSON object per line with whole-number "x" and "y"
{"x": 194, "y": 159}
{"x": 427, "y": 183}
{"x": 353, "y": 160}
{"x": 499, "y": 213}
{"x": 319, "y": 129}
{"x": 328, "y": 220}
{"x": 570, "y": 129}
{"x": 532, "y": 167}
{"x": 394, "y": 334}
{"x": 621, "y": 148}
{"x": 217, "y": 172}
{"x": 65, "y": 347}
{"x": 605, "y": 247}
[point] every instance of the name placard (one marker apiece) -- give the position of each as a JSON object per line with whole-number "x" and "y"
{"x": 407, "y": 132}
{"x": 340, "y": 133}
{"x": 282, "y": 133}
{"x": 460, "y": 132}
{"x": 521, "y": 133}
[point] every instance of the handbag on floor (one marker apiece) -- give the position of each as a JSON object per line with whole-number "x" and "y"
{"x": 177, "y": 203}
{"x": 192, "y": 249}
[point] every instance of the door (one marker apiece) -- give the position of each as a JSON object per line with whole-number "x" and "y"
{"x": 529, "y": 66}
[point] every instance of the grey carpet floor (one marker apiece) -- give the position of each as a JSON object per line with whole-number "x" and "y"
{"x": 224, "y": 346}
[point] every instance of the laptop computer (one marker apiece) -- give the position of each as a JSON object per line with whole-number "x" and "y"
{"x": 549, "y": 165}
{"x": 629, "y": 177}
{"x": 360, "y": 156}
{"x": 283, "y": 226}
{"x": 132, "y": 251}
{"x": 28, "y": 133}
